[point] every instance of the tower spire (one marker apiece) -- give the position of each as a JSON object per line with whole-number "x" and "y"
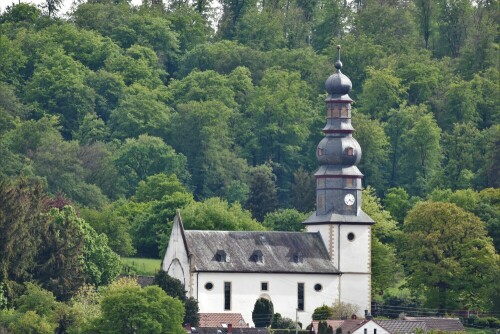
{"x": 338, "y": 180}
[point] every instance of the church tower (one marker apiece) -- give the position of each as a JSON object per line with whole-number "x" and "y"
{"x": 344, "y": 227}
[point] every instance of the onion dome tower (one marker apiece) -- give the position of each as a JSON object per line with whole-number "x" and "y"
{"x": 338, "y": 180}
{"x": 343, "y": 226}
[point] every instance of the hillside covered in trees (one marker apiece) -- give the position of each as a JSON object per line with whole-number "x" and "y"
{"x": 114, "y": 118}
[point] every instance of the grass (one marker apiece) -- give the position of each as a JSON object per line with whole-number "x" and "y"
{"x": 141, "y": 266}
{"x": 471, "y": 330}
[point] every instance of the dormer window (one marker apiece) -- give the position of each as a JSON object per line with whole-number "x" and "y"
{"x": 349, "y": 151}
{"x": 222, "y": 256}
{"x": 321, "y": 151}
{"x": 298, "y": 257}
{"x": 257, "y": 256}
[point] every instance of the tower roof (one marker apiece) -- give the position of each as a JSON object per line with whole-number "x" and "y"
{"x": 338, "y": 85}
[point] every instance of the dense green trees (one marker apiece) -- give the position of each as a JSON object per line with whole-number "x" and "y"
{"x": 130, "y": 113}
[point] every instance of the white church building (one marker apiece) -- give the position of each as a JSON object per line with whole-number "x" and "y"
{"x": 298, "y": 271}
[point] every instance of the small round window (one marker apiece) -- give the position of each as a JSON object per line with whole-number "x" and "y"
{"x": 209, "y": 286}
{"x": 318, "y": 287}
{"x": 350, "y": 236}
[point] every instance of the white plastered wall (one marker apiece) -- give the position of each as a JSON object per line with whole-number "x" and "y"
{"x": 371, "y": 328}
{"x": 176, "y": 261}
{"x": 282, "y": 290}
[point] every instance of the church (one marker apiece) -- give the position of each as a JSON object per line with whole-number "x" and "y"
{"x": 227, "y": 271}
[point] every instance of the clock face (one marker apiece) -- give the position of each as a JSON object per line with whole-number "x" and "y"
{"x": 349, "y": 199}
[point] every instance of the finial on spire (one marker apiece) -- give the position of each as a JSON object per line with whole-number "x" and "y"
{"x": 338, "y": 63}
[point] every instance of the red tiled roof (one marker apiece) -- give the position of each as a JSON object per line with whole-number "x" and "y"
{"x": 217, "y": 319}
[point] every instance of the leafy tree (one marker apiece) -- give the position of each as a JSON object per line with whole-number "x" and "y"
{"x": 303, "y": 192}
{"x": 421, "y": 155}
{"x": 281, "y": 117}
{"x": 139, "y": 111}
{"x": 106, "y": 220}
{"x": 139, "y": 158}
{"x": 382, "y": 91}
{"x": 58, "y": 86}
{"x": 284, "y": 220}
{"x": 375, "y": 144}
{"x": 208, "y": 147}
{"x": 453, "y": 19}
{"x": 398, "y": 203}
{"x": 343, "y": 310}
{"x": 192, "y": 312}
{"x": 61, "y": 269}
{"x": 262, "y": 314}
{"x": 261, "y": 29}
{"x": 136, "y": 310}
{"x": 174, "y": 288}
{"x": 460, "y": 147}
{"x": 263, "y": 192}
{"x": 21, "y": 219}
{"x": 37, "y": 300}
{"x": 217, "y": 214}
{"x": 324, "y": 328}
{"x": 280, "y": 322}
{"x": 448, "y": 256}
{"x": 323, "y": 312}
{"x": 385, "y": 264}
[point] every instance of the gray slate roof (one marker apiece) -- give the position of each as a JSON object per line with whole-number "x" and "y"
{"x": 444, "y": 324}
{"x": 220, "y": 330}
{"x": 401, "y": 326}
{"x": 279, "y": 250}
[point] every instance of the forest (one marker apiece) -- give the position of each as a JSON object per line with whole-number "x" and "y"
{"x": 115, "y": 116}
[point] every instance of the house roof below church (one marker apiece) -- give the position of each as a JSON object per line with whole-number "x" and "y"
{"x": 277, "y": 252}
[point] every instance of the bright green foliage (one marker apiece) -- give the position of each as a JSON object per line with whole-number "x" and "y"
{"x": 385, "y": 264}
{"x": 281, "y": 117}
{"x": 191, "y": 26}
{"x": 419, "y": 74}
{"x": 217, "y": 214}
{"x": 137, "y": 65}
{"x": 448, "y": 255}
{"x": 140, "y": 311}
{"x": 222, "y": 57}
{"x": 285, "y": 220}
{"x": 145, "y": 156}
{"x": 323, "y": 312}
{"x": 37, "y": 300}
{"x": 382, "y": 91}
{"x": 398, "y": 203}
{"x": 261, "y": 30}
{"x": 29, "y": 322}
{"x": 155, "y": 187}
{"x": 421, "y": 154}
{"x": 460, "y": 105}
{"x": 390, "y": 24}
{"x": 263, "y": 311}
{"x": 362, "y": 54}
{"x": 375, "y": 147}
{"x": 460, "y": 164}
{"x": 109, "y": 89}
{"x": 213, "y": 164}
{"x": 73, "y": 253}
{"x": 58, "y": 87}
{"x": 140, "y": 111}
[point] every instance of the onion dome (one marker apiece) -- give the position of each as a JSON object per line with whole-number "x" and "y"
{"x": 338, "y": 85}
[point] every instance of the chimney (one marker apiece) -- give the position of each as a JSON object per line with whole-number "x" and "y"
{"x": 229, "y": 328}
{"x": 188, "y": 328}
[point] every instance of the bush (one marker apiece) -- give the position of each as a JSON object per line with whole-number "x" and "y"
{"x": 493, "y": 322}
{"x": 481, "y": 323}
